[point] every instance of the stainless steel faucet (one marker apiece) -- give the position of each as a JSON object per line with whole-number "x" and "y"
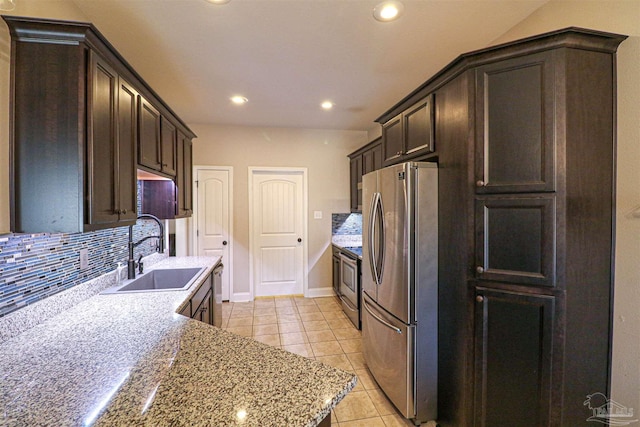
{"x": 131, "y": 263}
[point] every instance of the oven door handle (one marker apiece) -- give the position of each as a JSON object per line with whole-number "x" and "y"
{"x": 379, "y": 319}
{"x": 348, "y": 303}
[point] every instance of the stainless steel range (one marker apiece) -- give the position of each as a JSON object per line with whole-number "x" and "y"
{"x": 349, "y": 291}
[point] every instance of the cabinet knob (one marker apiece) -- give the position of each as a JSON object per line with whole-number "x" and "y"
{"x": 299, "y": 240}
{"x": 398, "y": 153}
{"x": 479, "y": 269}
{"x": 224, "y": 243}
{"x": 123, "y": 212}
{"x": 479, "y": 298}
{"x": 480, "y": 183}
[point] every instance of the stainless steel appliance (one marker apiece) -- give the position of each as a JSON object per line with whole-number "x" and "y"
{"x": 400, "y": 285}
{"x": 217, "y": 295}
{"x": 350, "y": 288}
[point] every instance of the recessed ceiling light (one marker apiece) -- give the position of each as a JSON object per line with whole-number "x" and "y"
{"x": 388, "y": 11}
{"x": 327, "y": 105}
{"x": 239, "y": 99}
{"x": 218, "y": 1}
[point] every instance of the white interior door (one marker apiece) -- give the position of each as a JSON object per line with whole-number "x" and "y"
{"x": 278, "y": 203}
{"x": 214, "y": 216}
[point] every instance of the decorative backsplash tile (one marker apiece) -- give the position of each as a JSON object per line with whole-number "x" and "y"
{"x": 35, "y": 266}
{"x": 346, "y": 224}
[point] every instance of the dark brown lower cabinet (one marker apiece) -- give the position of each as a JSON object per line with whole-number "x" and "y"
{"x": 201, "y": 304}
{"x": 514, "y": 354}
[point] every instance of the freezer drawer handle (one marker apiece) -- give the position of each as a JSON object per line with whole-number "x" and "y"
{"x": 387, "y": 324}
{"x": 347, "y": 303}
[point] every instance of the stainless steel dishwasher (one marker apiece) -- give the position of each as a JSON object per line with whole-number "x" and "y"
{"x": 217, "y": 295}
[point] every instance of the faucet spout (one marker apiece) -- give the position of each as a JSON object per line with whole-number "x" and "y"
{"x": 131, "y": 263}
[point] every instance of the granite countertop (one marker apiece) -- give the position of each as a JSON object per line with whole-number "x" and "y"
{"x": 130, "y": 359}
{"x": 349, "y": 243}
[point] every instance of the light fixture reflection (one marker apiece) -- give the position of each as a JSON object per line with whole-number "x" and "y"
{"x": 241, "y": 415}
{"x": 388, "y": 11}
{"x": 239, "y": 99}
{"x": 218, "y": 1}
{"x": 327, "y": 105}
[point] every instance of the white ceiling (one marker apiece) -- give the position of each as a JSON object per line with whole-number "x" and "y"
{"x": 287, "y": 56}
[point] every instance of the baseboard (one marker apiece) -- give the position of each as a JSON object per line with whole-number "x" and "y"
{"x": 311, "y": 293}
{"x": 320, "y": 292}
{"x": 241, "y": 297}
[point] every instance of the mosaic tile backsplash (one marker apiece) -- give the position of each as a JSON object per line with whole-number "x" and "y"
{"x": 346, "y": 224}
{"x": 35, "y": 266}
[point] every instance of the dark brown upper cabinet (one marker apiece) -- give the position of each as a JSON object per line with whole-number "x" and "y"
{"x": 515, "y": 138}
{"x": 185, "y": 176}
{"x": 168, "y": 155}
{"x": 149, "y": 146}
{"x": 410, "y": 134}
{"x": 79, "y": 116}
{"x": 362, "y": 161}
{"x": 372, "y": 159}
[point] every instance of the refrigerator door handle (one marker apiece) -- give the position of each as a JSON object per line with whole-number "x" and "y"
{"x": 383, "y": 238}
{"x": 372, "y": 224}
{"x": 379, "y": 319}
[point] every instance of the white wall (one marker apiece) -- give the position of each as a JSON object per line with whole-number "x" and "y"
{"x": 323, "y": 152}
{"x": 621, "y": 17}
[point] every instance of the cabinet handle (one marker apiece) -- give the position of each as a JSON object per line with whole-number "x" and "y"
{"x": 480, "y": 298}
{"x": 479, "y": 269}
{"x": 480, "y": 183}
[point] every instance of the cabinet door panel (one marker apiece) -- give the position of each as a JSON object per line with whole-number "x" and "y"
{"x": 149, "y": 144}
{"x": 515, "y": 239}
{"x": 515, "y": 125}
{"x": 418, "y": 128}
{"x": 184, "y": 176}
{"x": 513, "y": 359}
{"x": 372, "y": 159}
{"x": 102, "y": 150}
{"x": 392, "y": 140}
{"x": 127, "y": 145}
{"x": 169, "y": 147}
{"x": 356, "y": 184}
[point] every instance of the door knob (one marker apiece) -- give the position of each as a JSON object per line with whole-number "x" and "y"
{"x": 224, "y": 243}
{"x": 299, "y": 240}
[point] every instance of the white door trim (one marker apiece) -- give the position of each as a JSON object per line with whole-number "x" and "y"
{"x": 194, "y": 219}
{"x": 305, "y": 221}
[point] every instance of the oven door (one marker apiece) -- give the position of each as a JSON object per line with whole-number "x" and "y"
{"x": 350, "y": 289}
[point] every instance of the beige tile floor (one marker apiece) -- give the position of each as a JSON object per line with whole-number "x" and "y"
{"x": 318, "y": 329}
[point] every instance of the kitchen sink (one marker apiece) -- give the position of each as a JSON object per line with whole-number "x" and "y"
{"x": 173, "y": 279}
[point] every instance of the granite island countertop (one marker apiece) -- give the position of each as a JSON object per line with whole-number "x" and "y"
{"x": 130, "y": 359}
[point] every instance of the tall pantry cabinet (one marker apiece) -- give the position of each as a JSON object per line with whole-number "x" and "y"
{"x": 526, "y": 150}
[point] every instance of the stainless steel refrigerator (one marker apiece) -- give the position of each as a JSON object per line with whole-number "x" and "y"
{"x": 400, "y": 285}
